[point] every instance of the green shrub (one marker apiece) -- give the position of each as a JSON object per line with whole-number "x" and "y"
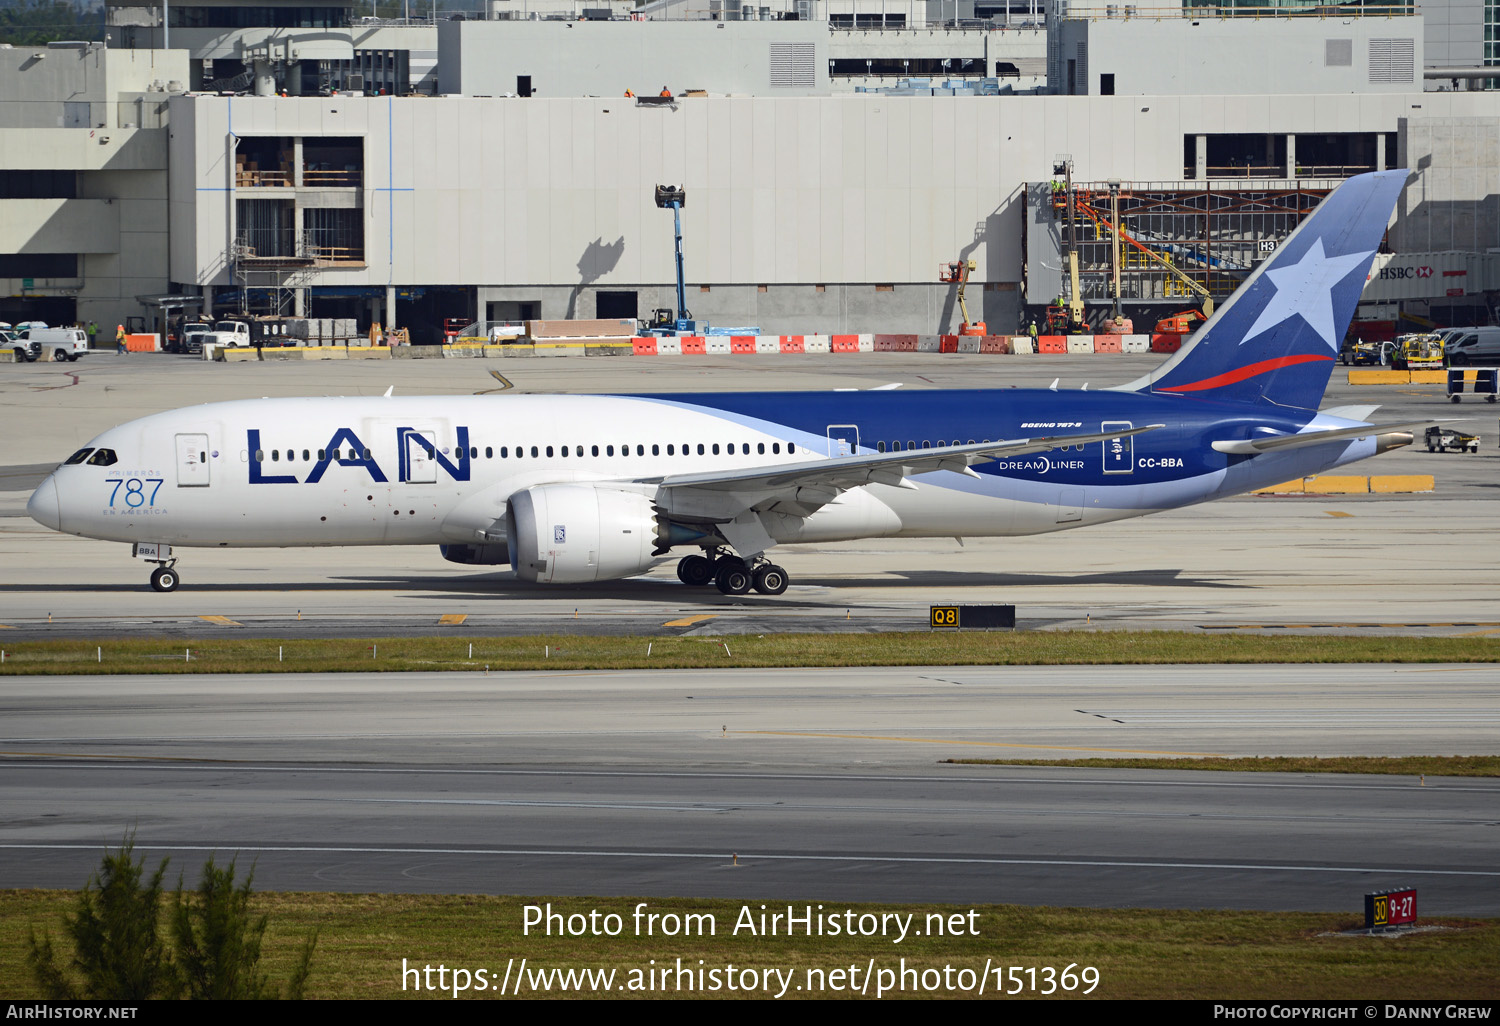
{"x": 218, "y": 941}
{"x": 118, "y": 954}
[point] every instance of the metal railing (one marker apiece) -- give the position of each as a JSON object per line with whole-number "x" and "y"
{"x": 328, "y": 179}
{"x": 1262, "y": 171}
{"x": 1131, "y": 12}
{"x": 317, "y": 246}
{"x": 247, "y": 178}
{"x": 261, "y": 244}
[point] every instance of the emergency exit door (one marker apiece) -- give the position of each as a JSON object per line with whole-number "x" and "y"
{"x": 843, "y": 439}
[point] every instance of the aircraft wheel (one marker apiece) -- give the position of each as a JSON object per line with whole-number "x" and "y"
{"x": 770, "y": 579}
{"x": 734, "y": 579}
{"x": 165, "y": 579}
{"x": 695, "y": 570}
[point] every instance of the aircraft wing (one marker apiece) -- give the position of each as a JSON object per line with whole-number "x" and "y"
{"x": 732, "y": 501}
{"x": 1278, "y": 443}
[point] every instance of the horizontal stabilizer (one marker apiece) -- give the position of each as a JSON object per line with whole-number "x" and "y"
{"x": 1361, "y": 414}
{"x": 1278, "y": 443}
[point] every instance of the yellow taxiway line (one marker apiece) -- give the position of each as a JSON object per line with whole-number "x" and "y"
{"x": 688, "y": 621}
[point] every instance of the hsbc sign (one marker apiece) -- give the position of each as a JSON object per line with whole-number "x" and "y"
{"x": 1395, "y": 273}
{"x": 1395, "y": 276}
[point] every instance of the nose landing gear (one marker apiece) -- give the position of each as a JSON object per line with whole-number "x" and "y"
{"x": 732, "y": 575}
{"x": 164, "y": 578}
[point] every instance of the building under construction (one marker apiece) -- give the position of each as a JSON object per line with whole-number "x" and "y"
{"x": 1178, "y": 244}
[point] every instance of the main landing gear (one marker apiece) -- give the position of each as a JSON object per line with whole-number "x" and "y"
{"x": 732, "y": 575}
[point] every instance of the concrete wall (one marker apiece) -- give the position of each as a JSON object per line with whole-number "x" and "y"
{"x": 550, "y": 200}
{"x": 1232, "y": 56}
{"x": 60, "y": 225}
{"x": 1454, "y": 202}
{"x": 117, "y": 222}
{"x": 1454, "y": 32}
{"x": 604, "y": 58}
{"x": 41, "y": 82}
{"x": 818, "y": 191}
{"x": 918, "y": 308}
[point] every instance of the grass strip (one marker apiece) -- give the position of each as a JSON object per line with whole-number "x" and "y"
{"x": 575, "y": 652}
{"x": 1404, "y": 765}
{"x": 1138, "y": 953}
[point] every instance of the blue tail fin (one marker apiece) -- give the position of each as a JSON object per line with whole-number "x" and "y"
{"x": 1276, "y": 339}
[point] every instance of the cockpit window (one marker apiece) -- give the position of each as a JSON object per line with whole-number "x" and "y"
{"x": 77, "y": 457}
{"x": 103, "y": 458}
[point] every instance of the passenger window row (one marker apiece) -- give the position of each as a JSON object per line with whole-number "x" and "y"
{"x": 535, "y": 451}
{"x": 896, "y": 446}
{"x": 291, "y": 455}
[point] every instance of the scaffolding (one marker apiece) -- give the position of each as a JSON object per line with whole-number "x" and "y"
{"x": 270, "y": 283}
{"x": 1179, "y": 243}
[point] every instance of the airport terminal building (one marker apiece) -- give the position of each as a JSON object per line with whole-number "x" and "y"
{"x": 503, "y": 184}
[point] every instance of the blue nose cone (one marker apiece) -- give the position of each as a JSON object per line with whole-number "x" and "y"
{"x": 43, "y": 506}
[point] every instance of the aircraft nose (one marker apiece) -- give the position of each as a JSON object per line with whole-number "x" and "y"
{"x": 43, "y": 506}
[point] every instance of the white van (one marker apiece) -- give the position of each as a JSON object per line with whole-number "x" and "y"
{"x": 1473, "y": 345}
{"x": 62, "y": 343}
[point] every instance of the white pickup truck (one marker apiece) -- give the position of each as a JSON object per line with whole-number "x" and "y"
{"x": 235, "y": 334}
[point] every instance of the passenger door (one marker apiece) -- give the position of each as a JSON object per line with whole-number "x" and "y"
{"x": 192, "y": 461}
{"x": 418, "y": 450}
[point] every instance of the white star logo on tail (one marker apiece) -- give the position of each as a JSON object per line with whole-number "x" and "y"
{"x": 1305, "y": 289}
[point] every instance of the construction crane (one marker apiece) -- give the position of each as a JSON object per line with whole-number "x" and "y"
{"x": 1071, "y": 318}
{"x": 664, "y": 322}
{"x": 958, "y": 271}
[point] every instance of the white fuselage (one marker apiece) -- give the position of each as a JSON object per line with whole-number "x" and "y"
{"x": 439, "y": 470}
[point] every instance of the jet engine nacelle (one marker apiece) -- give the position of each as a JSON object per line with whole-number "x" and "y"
{"x": 573, "y": 533}
{"x": 476, "y": 555}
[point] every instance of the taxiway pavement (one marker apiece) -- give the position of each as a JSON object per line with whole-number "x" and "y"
{"x": 789, "y": 784}
{"x": 1420, "y": 563}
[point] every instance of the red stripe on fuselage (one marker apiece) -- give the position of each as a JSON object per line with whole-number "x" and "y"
{"x": 1250, "y": 371}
